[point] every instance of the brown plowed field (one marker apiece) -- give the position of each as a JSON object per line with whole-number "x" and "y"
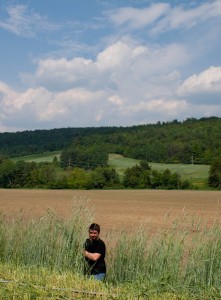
{"x": 113, "y": 208}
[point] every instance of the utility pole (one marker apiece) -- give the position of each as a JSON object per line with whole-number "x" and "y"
{"x": 69, "y": 164}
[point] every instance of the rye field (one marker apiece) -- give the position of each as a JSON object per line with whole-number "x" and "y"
{"x": 160, "y": 244}
{"x": 115, "y": 208}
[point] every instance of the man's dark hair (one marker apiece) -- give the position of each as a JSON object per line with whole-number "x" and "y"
{"x": 95, "y": 226}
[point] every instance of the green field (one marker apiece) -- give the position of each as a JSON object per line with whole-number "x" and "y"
{"x": 41, "y": 157}
{"x": 196, "y": 174}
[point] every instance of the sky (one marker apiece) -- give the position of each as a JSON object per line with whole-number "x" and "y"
{"x": 92, "y": 63}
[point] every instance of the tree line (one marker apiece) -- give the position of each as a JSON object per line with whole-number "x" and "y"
{"x": 23, "y": 174}
{"x": 84, "y": 157}
{"x": 191, "y": 141}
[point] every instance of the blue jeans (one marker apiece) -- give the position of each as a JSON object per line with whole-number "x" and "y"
{"x": 99, "y": 276}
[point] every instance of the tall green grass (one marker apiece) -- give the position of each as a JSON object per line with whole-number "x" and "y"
{"x": 182, "y": 261}
{"x": 29, "y": 282}
{"x": 184, "y": 258}
{"x": 49, "y": 241}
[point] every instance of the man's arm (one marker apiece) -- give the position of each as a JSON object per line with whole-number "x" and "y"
{"x": 92, "y": 256}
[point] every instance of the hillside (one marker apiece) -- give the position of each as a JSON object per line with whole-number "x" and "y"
{"x": 195, "y": 141}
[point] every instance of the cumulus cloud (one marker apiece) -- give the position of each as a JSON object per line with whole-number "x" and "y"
{"x": 120, "y": 66}
{"x": 128, "y": 80}
{"x": 7, "y": 95}
{"x": 40, "y": 106}
{"x": 127, "y": 83}
{"x": 63, "y": 73}
{"x": 204, "y": 86}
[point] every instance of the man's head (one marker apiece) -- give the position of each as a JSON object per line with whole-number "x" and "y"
{"x": 94, "y": 231}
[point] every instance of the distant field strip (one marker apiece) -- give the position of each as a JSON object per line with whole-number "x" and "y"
{"x": 197, "y": 174}
{"x": 41, "y": 157}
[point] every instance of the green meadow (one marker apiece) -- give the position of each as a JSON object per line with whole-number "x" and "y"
{"x": 196, "y": 174}
{"x": 40, "y": 157}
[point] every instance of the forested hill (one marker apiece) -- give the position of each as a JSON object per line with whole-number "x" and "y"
{"x": 42, "y": 140}
{"x": 193, "y": 140}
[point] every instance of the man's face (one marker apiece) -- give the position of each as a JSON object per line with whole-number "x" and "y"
{"x": 93, "y": 234}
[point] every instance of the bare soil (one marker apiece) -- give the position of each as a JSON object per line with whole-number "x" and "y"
{"x": 116, "y": 208}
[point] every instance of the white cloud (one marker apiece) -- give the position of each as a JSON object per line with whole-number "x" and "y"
{"x": 63, "y": 73}
{"x": 24, "y": 22}
{"x": 170, "y": 107}
{"x": 7, "y": 96}
{"x": 127, "y": 83}
{"x": 128, "y": 70}
{"x": 114, "y": 56}
{"x": 135, "y": 18}
{"x": 161, "y": 17}
{"x": 139, "y": 57}
{"x": 122, "y": 66}
{"x": 179, "y": 17}
{"x": 208, "y": 80}
{"x": 115, "y": 99}
{"x": 204, "y": 86}
{"x": 69, "y": 103}
{"x": 122, "y": 75}
{"x": 40, "y": 106}
{"x": 4, "y": 88}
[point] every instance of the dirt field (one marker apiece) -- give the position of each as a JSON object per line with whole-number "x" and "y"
{"x": 116, "y": 208}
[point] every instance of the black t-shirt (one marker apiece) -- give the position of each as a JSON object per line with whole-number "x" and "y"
{"x": 96, "y": 246}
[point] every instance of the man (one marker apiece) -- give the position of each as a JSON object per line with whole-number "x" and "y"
{"x": 94, "y": 252}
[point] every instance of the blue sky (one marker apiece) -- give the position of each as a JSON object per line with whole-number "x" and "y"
{"x": 83, "y": 63}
